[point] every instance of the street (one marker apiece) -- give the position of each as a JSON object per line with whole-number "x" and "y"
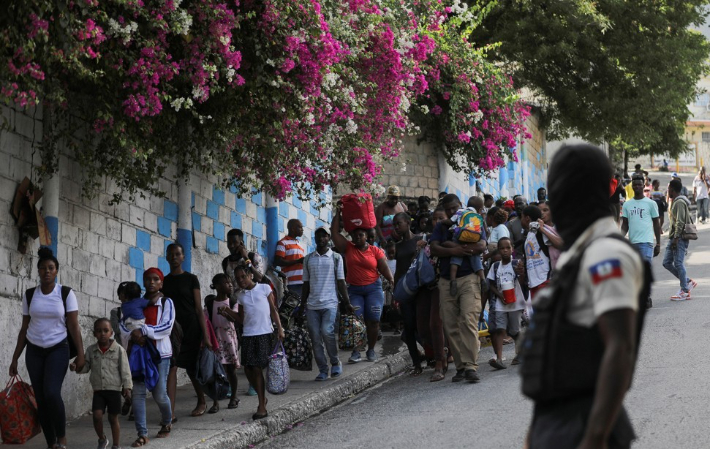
{"x": 668, "y": 403}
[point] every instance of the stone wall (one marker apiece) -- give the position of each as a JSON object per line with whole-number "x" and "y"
{"x": 100, "y": 245}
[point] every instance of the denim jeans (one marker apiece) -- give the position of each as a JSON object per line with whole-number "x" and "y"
{"x": 47, "y": 368}
{"x": 673, "y": 261}
{"x": 368, "y": 300}
{"x": 160, "y": 395}
{"x": 703, "y": 208}
{"x": 646, "y": 251}
{"x": 321, "y": 326}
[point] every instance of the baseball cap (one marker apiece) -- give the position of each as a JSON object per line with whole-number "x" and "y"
{"x": 324, "y": 229}
{"x": 510, "y": 204}
{"x": 393, "y": 191}
{"x": 674, "y": 175}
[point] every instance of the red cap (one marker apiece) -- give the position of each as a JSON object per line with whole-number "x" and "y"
{"x": 509, "y": 204}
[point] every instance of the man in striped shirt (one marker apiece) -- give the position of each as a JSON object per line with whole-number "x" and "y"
{"x": 289, "y": 256}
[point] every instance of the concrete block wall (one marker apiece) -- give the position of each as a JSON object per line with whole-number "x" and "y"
{"x": 100, "y": 245}
{"x": 415, "y": 171}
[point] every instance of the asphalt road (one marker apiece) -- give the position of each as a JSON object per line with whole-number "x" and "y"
{"x": 669, "y": 402}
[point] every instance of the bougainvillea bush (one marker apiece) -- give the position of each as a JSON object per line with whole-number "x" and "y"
{"x": 287, "y": 96}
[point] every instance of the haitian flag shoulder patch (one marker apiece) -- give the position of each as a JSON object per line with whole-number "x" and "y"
{"x": 603, "y": 271}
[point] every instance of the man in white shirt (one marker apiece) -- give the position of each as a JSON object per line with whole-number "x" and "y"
{"x": 701, "y": 184}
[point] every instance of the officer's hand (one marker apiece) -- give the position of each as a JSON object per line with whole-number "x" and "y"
{"x": 656, "y": 250}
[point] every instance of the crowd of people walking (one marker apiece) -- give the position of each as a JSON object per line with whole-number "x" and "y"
{"x": 502, "y": 271}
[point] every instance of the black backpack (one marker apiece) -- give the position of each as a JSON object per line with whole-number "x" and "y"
{"x": 65, "y": 294}
{"x": 559, "y": 359}
{"x": 209, "y": 303}
{"x": 176, "y": 333}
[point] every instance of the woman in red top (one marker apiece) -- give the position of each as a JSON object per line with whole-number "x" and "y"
{"x": 365, "y": 263}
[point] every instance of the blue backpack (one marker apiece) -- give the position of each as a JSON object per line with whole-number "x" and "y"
{"x": 421, "y": 273}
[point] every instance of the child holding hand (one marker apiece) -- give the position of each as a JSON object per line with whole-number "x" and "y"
{"x": 110, "y": 378}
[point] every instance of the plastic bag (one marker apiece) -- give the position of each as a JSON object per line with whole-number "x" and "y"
{"x": 358, "y": 212}
{"x": 19, "y": 420}
{"x": 278, "y": 375}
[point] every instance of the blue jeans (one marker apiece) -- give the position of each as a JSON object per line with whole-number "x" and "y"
{"x": 475, "y": 261}
{"x": 160, "y": 395}
{"x": 646, "y": 251}
{"x": 673, "y": 261}
{"x": 321, "y": 326}
{"x": 703, "y": 208}
{"x": 47, "y": 368}
{"x": 368, "y": 300}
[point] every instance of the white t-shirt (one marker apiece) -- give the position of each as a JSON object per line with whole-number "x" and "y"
{"x": 498, "y": 233}
{"x": 505, "y": 274}
{"x": 609, "y": 278}
{"x": 701, "y": 189}
{"x": 257, "y": 311}
{"x": 537, "y": 263}
{"x": 48, "y": 321}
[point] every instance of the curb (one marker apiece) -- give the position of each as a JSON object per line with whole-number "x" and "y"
{"x": 306, "y": 406}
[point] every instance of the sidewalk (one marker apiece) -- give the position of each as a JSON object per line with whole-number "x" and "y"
{"x": 234, "y": 428}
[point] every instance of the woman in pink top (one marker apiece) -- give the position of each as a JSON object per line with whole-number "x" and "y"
{"x": 364, "y": 264}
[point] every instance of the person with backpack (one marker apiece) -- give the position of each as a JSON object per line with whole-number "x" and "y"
{"x": 323, "y": 282}
{"x": 677, "y": 248}
{"x": 536, "y": 267}
{"x": 222, "y": 311}
{"x": 159, "y": 321}
{"x": 50, "y": 331}
{"x": 507, "y": 301}
{"x": 580, "y": 349}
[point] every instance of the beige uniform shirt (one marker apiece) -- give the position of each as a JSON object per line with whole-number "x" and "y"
{"x": 610, "y": 276}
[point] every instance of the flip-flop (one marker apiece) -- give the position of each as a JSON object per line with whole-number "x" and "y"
{"x": 417, "y": 370}
{"x": 197, "y": 412}
{"x": 214, "y": 409}
{"x": 233, "y": 404}
{"x": 496, "y": 364}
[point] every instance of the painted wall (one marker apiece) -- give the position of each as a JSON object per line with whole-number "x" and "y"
{"x": 100, "y": 245}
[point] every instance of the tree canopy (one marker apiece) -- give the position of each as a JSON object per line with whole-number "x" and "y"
{"x": 287, "y": 96}
{"x": 618, "y": 71}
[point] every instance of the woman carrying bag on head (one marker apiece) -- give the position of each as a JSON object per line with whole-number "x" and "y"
{"x": 50, "y": 315}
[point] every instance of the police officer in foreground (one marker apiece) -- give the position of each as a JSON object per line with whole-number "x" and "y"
{"x": 580, "y": 349}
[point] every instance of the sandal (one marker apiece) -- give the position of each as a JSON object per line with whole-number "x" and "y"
{"x": 234, "y": 403}
{"x": 214, "y": 409}
{"x": 140, "y": 441}
{"x": 164, "y": 431}
{"x": 174, "y": 420}
{"x": 417, "y": 370}
{"x": 437, "y": 376}
{"x": 199, "y": 412}
{"x": 257, "y": 416}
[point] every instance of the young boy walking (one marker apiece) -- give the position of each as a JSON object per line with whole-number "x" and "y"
{"x": 507, "y": 301}
{"x": 110, "y": 378}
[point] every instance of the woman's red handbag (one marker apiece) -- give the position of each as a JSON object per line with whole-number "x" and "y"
{"x": 19, "y": 420}
{"x": 358, "y": 211}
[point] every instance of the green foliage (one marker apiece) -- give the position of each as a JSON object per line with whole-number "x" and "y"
{"x": 619, "y": 71}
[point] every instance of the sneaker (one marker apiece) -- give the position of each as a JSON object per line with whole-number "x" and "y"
{"x": 471, "y": 376}
{"x": 691, "y": 285}
{"x": 251, "y": 391}
{"x": 677, "y": 295}
{"x": 459, "y": 376}
{"x": 322, "y": 376}
{"x": 355, "y": 357}
{"x": 371, "y": 356}
{"x": 683, "y": 296}
{"x": 336, "y": 370}
{"x": 103, "y": 443}
{"x": 494, "y": 358}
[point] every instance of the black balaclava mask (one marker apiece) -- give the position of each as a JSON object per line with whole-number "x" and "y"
{"x": 575, "y": 205}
